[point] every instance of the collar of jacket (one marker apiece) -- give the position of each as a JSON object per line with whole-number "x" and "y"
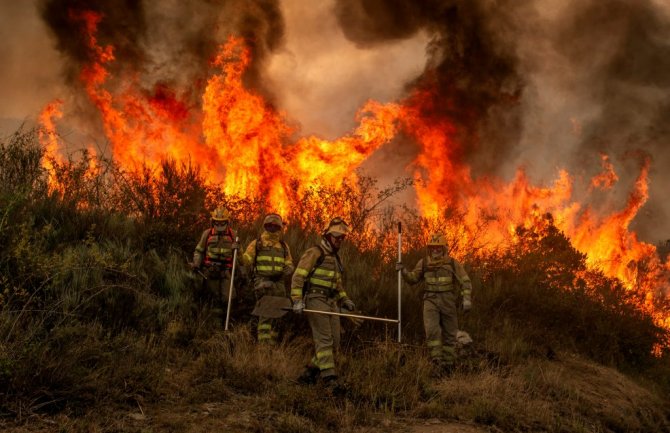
{"x": 269, "y": 239}
{"x": 326, "y": 246}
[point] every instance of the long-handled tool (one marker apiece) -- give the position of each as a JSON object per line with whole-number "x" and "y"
{"x": 230, "y": 289}
{"x": 274, "y": 307}
{"x": 399, "y": 282}
{"x": 196, "y": 270}
{"x": 355, "y": 316}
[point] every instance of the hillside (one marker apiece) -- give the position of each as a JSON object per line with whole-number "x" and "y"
{"x": 99, "y": 330}
{"x": 232, "y": 384}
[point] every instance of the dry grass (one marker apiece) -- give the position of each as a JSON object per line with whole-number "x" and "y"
{"x": 228, "y": 382}
{"x": 98, "y": 331}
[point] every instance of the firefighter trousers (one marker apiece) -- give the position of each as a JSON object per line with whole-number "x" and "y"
{"x": 440, "y": 321}
{"x": 325, "y": 332}
{"x": 267, "y": 327}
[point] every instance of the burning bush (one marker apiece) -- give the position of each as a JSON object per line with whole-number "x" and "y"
{"x": 94, "y": 272}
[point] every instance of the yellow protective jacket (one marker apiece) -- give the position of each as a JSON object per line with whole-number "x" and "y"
{"x": 318, "y": 271}
{"x": 269, "y": 259}
{"x": 441, "y": 276}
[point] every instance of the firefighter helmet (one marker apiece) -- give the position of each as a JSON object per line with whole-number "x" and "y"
{"x": 273, "y": 218}
{"x": 220, "y": 214}
{"x": 437, "y": 240}
{"x": 337, "y": 226}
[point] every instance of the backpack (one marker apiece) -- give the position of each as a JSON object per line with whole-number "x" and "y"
{"x": 452, "y": 269}
{"x": 319, "y": 261}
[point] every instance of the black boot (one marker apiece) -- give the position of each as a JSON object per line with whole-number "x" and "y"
{"x": 334, "y": 386}
{"x": 309, "y": 376}
{"x": 329, "y": 381}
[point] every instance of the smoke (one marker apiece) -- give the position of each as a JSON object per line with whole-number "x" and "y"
{"x": 546, "y": 84}
{"x": 167, "y": 43}
{"x": 604, "y": 78}
{"x": 542, "y": 83}
{"x": 27, "y": 79}
{"x": 322, "y": 79}
{"x": 472, "y": 74}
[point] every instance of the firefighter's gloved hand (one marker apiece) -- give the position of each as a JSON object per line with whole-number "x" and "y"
{"x": 348, "y": 305}
{"x": 298, "y": 306}
{"x": 399, "y": 266}
{"x": 235, "y": 246}
{"x": 467, "y": 305}
{"x": 288, "y": 270}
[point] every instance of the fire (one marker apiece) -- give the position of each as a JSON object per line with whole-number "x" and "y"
{"x": 492, "y": 210}
{"x": 247, "y": 147}
{"x": 607, "y": 178}
{"x": 49, "y": 138}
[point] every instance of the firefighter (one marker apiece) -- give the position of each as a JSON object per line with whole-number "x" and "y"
{"x": 317, "y": 285}
{"x": 269, "y": 260}
{"x": 445, "y": 282}
{"x": 214, "y": 256}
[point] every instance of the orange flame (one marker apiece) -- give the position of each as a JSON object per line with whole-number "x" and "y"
{"x": 607, "y": 178}
{"x": 49, "y": 139}
{"x": 492, "y": 210}
{"x": 246, "y": 146}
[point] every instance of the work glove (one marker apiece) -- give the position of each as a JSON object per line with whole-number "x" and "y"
{"x": 298, "y": 306}
{"x": 235, "y": 246}
{"x": 467, "y": 305}
{"x": 348, "y": 305}
{"x": 288, "y": 270}
{"x": 399, "y": 266}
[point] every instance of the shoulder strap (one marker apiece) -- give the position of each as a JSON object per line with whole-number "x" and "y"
{"x": 258, "y": 248}
{"x": 453, "y": 271}
{"x": 339, "y": 263}
{"x": 319, "y": 261}
{"x": 284, "y": 246}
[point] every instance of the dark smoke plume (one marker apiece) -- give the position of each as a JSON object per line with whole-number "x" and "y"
{"x": 621, "y": 49}
{"x": 472, "y": 73}
{"x": 513, "y": 74}
{"x": 170, "y": 42}
{"x": 124, "y": 25}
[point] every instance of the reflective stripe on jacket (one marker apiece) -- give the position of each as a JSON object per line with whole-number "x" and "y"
{"x": 270, "y": 261}
{"x": 310, "y": 276}
{"x": 217, "y": 247}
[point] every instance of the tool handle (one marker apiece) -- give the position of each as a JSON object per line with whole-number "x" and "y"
{"x": 230, "y": 289}
{"x": 355, "y": 316}
{"x": 399, "y": 283}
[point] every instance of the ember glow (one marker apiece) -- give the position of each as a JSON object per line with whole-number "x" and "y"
{"x": 247, "y": 146}
{"x": 49, "y": 138}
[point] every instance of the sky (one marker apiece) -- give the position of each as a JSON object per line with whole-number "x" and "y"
{"x": 589, "y": 76}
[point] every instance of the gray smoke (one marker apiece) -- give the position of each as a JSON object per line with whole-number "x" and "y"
{"x": 169, "y": 43}
{"x": 543, "y": 83}
{"x": 473, "y": 70}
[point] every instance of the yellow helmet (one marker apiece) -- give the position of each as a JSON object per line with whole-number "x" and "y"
{"x": 220, "y": 214}
{"x": 437, "y": 240}
{"x": 273, "y": 218}
{"x": 337, "y": 226}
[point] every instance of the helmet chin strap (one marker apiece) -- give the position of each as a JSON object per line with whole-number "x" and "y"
{"x": 330, "y": 244}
